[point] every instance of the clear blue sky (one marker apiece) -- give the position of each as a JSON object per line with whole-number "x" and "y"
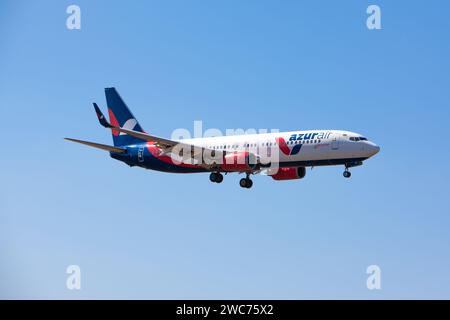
{"x": 232, "y": 64}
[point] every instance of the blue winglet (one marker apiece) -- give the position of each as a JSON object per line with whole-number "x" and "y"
{"x": 101, "y": 117}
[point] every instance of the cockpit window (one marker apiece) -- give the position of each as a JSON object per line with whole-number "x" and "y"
{"x": 358, "y": 139}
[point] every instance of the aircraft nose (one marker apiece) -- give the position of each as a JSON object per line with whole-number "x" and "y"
{"x": 373, "y": 149}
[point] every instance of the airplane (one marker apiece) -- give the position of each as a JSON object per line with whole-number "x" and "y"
{"x": 280, "y": 155}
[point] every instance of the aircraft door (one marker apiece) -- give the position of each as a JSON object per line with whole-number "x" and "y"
{"x": 335, "y": 142}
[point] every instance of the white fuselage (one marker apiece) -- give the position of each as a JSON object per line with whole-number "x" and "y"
{"x": 308, "y": 148}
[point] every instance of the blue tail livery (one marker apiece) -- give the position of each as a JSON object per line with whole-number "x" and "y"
{"x": 121, "y": 116}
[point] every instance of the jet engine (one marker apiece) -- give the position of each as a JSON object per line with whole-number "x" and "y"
{"x": 289, "y": 173}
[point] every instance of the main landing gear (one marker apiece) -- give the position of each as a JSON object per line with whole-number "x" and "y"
{"x": 246, "y": 182}
{"x": 216, "y": 177}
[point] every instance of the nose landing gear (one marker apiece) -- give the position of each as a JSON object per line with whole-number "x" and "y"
{"x": 347, "y": 174}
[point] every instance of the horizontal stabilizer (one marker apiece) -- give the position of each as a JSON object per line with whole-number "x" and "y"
{"x": 99, "y": 146}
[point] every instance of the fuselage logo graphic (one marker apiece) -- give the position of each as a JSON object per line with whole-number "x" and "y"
{"x": 129, "y": 124}
{"x": 284, "y": 147}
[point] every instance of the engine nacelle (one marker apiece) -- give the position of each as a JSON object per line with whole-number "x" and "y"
{"x": 242, "y": 161}
{"x": 289, "y": 173}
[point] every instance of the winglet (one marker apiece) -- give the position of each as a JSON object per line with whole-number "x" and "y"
{"x": 101, "y": 117}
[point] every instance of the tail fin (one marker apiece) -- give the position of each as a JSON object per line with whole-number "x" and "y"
{"x": 121, "y": 116}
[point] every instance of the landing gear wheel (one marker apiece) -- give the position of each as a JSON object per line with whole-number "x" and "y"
{"x": 347, "y": 174}
{"x": 219, "y": 177}
{"x": 216, "y": 177}
{"x": 246, "y": 183}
